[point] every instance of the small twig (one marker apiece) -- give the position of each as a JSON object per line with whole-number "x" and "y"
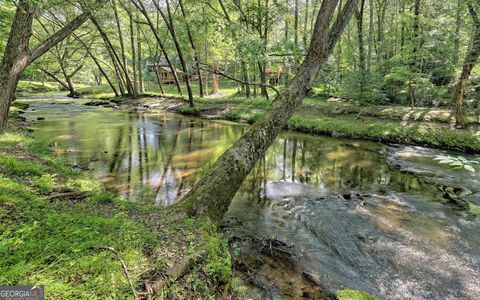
{"x": 358, "y": 115}
{"x": 125, "y": 270}
{"x": 218, "y": 72}
{"x": 68, "y": 195}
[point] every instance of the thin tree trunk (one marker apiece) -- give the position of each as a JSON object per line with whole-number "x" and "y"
{"x": 196, "y": 54}
{"x": 245, "y": 78}
{"x": 141, "y": 83}
{"x": 370, "y": 35}
{"x": 470, "y": 60}
{"x": 115, "y": 55}
{"x": 416, "y": 26}
{"x": 361, "y": 48}
{"x": 212, "y": 195}
{"x": 134, "y": 58}
{"x": 120, "y": 34}
{"x": 381, "y": 30}
{"x": 55, "y": 77}
{"x": 295, "y": 32}
{"x": 139, "y": 5}
{"x": 458, "y": 25}
{"x": 215, "y": 84}
{"x": 171, "y": 28}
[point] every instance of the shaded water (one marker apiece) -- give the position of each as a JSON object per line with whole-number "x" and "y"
{"x": 359, "y": 215}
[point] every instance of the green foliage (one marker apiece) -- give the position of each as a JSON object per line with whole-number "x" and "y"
{"x": 219, "y": 264}
{"x": 190, "y": 111}
{"x": 11, "y": 165}
{"x": 37, "y": 87}
{"x": 458, "y": 162}
{"x": 45, "y": 183}
{"x": 353, "y": 295}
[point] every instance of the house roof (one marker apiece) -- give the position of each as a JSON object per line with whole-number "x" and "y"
{"x": 169, "y": 70}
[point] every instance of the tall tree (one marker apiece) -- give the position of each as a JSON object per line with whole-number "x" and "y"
{"x": 194, "y": 48}
{"x": 361, "y": 48}
{"x": 472, "y": 56}
{"x": 171, "y": 28}
{"x": 18, "y": 55}
{"x": 212, "y": 195}
{"x": 154, "y": 29}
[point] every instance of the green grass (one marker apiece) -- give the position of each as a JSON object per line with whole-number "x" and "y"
{"x": 60, "y": 243}
{"x": 25, "y": 86}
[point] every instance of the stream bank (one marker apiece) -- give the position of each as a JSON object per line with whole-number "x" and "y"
{"x": 323, "y": 214}
{"x": 60, "y": 228}
{"x": 333, "y": 117}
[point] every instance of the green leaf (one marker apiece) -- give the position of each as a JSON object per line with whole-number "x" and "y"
{"x": 469, "y": 168}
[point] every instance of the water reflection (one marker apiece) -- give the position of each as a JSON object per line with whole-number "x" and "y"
{"x": 158, "y": 156}
{"x": 360, "y": 215}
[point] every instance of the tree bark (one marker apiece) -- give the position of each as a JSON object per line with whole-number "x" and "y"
{"x": 171, "y": 28}
{"x": 134, "y": 58}
{"x": 472, "y": 56}
{"x": 141, "y": 82}
{"x": 17, "y": 55}
{"x": 139, "y": 5}
{"x": 305, "y": 26}
{"x": 212, "y": 195}
{"x": 361, "y": 47}
{"x": 194, "y": 48}
{"x": 115, "y": 57}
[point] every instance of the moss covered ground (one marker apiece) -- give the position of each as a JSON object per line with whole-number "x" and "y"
{"x": 59, "y": 228}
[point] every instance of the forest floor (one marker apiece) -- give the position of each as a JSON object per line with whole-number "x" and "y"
{"x": 60, "y": 229}
{"x": 431, "y": 127}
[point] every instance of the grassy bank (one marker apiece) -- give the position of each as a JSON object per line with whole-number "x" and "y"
{"x": 60, "y": 229}
{"x": 384, "y": 123}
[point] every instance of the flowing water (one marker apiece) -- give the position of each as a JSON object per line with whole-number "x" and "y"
{"x": 387, "y": 220}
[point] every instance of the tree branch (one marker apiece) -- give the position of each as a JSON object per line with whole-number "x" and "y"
{"x": 218, "y": 72}
{"x": 58, "y": 36}
{"x": 54, "y": 77}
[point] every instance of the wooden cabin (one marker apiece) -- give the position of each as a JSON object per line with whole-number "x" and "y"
{"x": 165, "y": 73}
{"x": 274, "y": 75}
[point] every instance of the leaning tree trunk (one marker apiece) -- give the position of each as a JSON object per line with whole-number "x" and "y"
{"x": 139, "y": 5}
{"x": 212, "y": 195}
{"x": 99, "y": 66}
{"x": 470, "y": 60}
{"x": 171, "y": 29}
{"x": 194, "y": 48}
{"x": 55, "y": 77}
{"x": 17, "y": 55}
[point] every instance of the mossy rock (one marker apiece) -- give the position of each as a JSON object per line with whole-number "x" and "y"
{"x": 354, "y": 295}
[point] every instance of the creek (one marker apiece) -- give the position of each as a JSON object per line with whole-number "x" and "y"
{"x": 384, "y": 219}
